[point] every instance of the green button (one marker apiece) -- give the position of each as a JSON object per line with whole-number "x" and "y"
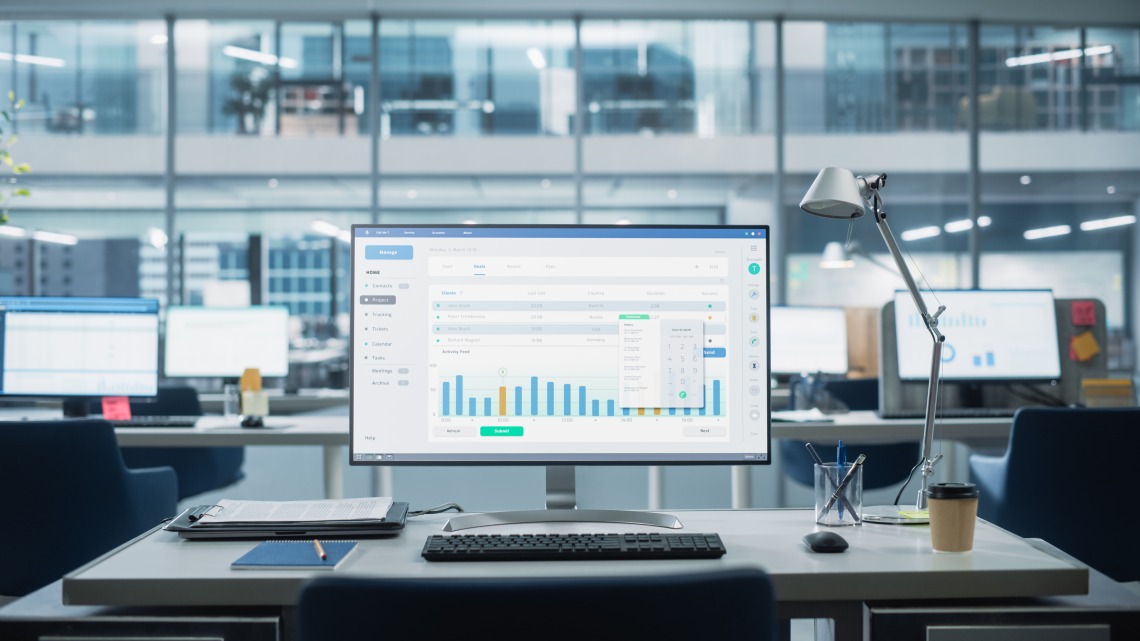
{"x": 754, "y": 268}
{"x": 500, "y": 430}
{"x": 633, "y": 316}
{"x": 683, "y": 394}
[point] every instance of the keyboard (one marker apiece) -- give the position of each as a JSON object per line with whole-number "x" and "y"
{"x": 571, "y": 547}
{"x": 953, "y": 412}
{"x": 157, "y": 421}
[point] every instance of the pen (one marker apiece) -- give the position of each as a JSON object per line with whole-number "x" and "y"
{"x": 819, "y": 461}
{"x": 320, "y": 549}
{"x": 842, "y": 484}
{"x": 840, "y": 465}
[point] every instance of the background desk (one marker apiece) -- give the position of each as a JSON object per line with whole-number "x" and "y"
{"x": 883, "y": 563}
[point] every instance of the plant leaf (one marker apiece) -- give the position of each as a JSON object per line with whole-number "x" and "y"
{"x": 22, "y": 168}
{"x": 22, "y": 191}
{"x": 11, "y": 96}
{"x": 7, "y": 160}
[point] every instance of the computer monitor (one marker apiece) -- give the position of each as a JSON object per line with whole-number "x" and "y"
{"x": 76, "y": 348}
{"x": 559, "y": 346}
{"x": 991, "y": 335}
{"x": 809, "y": 340}
{"x": 225, "y": 341}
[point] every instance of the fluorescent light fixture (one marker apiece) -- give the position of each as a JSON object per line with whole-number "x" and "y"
{"x": 537, "y": 60}
{"x": 345, "y": 237}
{"x": 1025, "y": 180}
{"x": 984, "y": 221}
{"x": 258, "y": 56}
{"x": 14, "y": 232}
{"x": 157, "y": 238}
{"x": 1111, "y": 189}
{"x": 921, "y": 232}
{"x": 33, "y": 60}
{"x": 325, "y": 227}
{"x": 52, "y": 237}
{"x": 1105, "y": 223}
{"x": 1066, "y": 54}
{"x": 412, "y": 194}
{"x": 671, "y": 194}
{"x": 158, "y": 39}
{"x": 1046, "y": 232}
{"x": 955, "y": 226}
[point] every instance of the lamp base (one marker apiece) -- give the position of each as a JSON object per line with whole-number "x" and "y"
{"x": 895, "y": 515}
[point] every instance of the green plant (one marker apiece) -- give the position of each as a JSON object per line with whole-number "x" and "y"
{"x": 249, "y": 99}
{"x": 10, "y": 191}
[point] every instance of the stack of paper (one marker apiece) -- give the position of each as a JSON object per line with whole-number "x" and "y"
{"x": 336, "y": 517}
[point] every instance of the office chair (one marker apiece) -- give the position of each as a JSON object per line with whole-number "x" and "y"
{"x": 724, "y": 604}
{"x": 199, "y": 469}
{"x": 68, "y": 498}
{"x": 887, "y": 463}
{"x": 1064, "y": 478}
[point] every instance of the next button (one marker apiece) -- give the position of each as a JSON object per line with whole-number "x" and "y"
{"x": 500, "y": 430}
{"x": 388, "y": 252}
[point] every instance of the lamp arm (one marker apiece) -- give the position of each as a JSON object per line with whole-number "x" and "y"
{"x": 931, "y": 322}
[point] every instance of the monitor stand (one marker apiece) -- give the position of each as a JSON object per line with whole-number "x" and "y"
{"x": 77, "y": 407}
{"x": 561, "y": 507}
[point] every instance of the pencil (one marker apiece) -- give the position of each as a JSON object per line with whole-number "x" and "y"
{"x": 320, "y": 549}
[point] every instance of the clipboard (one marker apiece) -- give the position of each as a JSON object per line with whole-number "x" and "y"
{"x": 391, "y": 525}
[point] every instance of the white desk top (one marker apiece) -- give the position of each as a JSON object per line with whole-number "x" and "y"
{"x": 883, "y": 562}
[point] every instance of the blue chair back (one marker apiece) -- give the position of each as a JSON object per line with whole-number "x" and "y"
{"x": 725, "y": 605}
{"x": 199, "y": 469}
{"x": 1064, "y": 478}
{"x": 69, "y": 498}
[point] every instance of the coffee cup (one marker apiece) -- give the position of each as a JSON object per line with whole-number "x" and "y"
{"x": 953, "y": 513}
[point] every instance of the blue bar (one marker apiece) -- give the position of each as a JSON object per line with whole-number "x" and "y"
{"x": 625, "y": 411}
{"x": 594, "y": 407}
{"x": 459, "y": 397}
{"x": 446, "y": 398}
{"x": 581, "y": 400}
{"x": 566, "y": 399}
{"x": 977, "y": 361}
{"x": 672, "y": 411}
{"x": 518, "y": 400}
{"x": 990, "y": 359}
{"x": 533, "y": 396}
{"x": 487, "y": 406}
{"x": 471, "y": 405}
{"x": 550, "y": 398}
{"x": 716, "y": 397}
{"x": 610, "y": 407}
{"x": 706, "y": 395}
{"x": 688, "y": 411}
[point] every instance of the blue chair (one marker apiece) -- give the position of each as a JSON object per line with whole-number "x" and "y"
{"x": 1065, "y": 478}
{"x": 887, "y": 463}
{"x": 725, "y": 605}
{"x": 68, "y": 498}
{"x": 199, "y": 469}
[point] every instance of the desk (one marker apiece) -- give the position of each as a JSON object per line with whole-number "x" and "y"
{"x": 883, "y": 563}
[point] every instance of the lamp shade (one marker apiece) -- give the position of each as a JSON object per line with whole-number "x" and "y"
{"x": 834, "y": 193}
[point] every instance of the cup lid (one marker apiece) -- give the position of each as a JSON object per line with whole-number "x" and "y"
{"x": 952, "y": 491}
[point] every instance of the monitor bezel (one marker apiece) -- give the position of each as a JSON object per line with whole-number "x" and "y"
{"x": 559, "y": 459}
{"x": 902, "y": 296}
{"x": 787, "y": 374}
{"x": 156, "y": 309}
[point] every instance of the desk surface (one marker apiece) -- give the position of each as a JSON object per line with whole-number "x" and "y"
{"x": 883, "y": 562}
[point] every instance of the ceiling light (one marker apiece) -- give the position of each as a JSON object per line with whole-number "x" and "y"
{"x": 545, "y": 183}
{"x": 157, "y": 238}
{"x": 33, "y": 60}
{"x": 488, "y": 107}
{"x": 412, "y": 194}
{"x": 955, "y": 226}
{"x": 1025, "y": 180}
{"x": 671, "y": 194}
{"x": 258, "y": 56}
{"x": 623, "y": 221}
{"x": 1064, "y": 54}
{"x": 158, "y": 39}
{"x": 325, "y": 227}
{"x": 470, "y": 221}
{"x": 52, "y": 237}
{"x": 1046, "y": 232}
{"x": 1111, "y": 190}
{"x": 921, "y": 232}
{"x": 344, "y": 237}
{"x": 14, "y": 232}
{"x": 984, "y": 221}
{"x": 272, "y": 182}
{"x": 1105, "y": 223}
{"x": 537, "y": 60}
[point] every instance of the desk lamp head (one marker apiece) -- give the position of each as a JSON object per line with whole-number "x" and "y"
{"x": 838, "y": 193}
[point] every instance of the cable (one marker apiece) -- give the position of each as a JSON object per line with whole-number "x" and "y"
{"x": 437, "y": 509}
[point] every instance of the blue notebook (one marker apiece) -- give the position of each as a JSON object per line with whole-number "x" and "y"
{"x": 300, "y": 554}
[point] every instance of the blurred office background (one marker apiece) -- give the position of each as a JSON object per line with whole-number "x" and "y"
{"x": 177, "y": 148}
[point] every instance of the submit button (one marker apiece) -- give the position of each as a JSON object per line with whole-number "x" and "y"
{"x": 500, "y": 430}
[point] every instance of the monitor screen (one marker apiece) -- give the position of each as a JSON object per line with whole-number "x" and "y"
{"x": 559, "y": 344}
{"x": 990, "y": 335}
{"x": 71, "y": 347}
{"x": 225, "y": 341}
{"x": 808, "y": 340}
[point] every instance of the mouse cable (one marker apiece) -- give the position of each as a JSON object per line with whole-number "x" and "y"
{"x": 437, "y": 509}
{"x": 909, "y": 476}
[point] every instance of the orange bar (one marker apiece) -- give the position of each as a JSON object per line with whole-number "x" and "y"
{"x": 502, "y": 400}
{"x": 641, "y": 411}
{"x": 657, "y": 411}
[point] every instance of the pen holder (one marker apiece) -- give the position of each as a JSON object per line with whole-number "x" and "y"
{"x": 844, "y": 507}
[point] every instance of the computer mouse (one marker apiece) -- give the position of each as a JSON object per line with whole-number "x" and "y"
{"x": 825, "y": 541}
{"x": 252, "y": 421}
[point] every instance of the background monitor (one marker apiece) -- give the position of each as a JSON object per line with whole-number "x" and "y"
{"x": 809, "y": 340}
{"x": 991, "y": 335}
{"x": 78, "y": 347}
{"x": 559, "y": 345}
{"x": 224, "y": 341}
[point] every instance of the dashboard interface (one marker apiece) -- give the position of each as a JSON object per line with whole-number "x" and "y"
{"x": 560, "y": 344}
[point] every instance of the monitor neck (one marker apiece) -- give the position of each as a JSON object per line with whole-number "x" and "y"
{"x": 562, "y": 507}
{"x": 77, "y": 406}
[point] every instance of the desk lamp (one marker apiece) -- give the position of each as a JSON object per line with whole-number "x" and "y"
{"x": 838, "y": 193}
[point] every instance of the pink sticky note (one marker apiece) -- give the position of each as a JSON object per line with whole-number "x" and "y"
{"x": 1084, "y": 313}
{"x": 116, "y": 408}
